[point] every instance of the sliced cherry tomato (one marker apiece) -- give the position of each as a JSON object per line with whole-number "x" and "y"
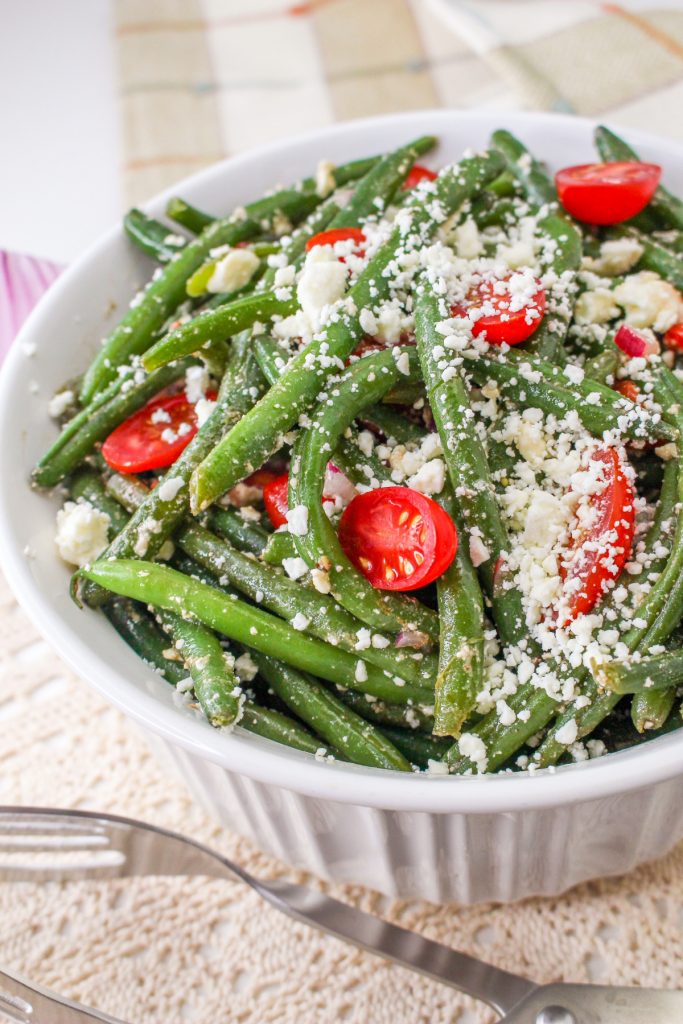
{"x": 398, "y": 538}
{"x": 335, "y": 235}
{"x": 504, "y": 320}
{"x": 599, "y": 555}
{"x": 673, "y": 339}
{"x": 275, "y": 499}
{"x": 276, "y": 492}
{"x": 154, "y": 436}
{"x": 416, "y": 174}
{"x": 261, "y": 478}
{"x": 607, "y": 193}
{"x": 628, "y": 388}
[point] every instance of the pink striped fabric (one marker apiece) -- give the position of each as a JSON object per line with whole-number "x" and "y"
{"x": 23, "y": 279}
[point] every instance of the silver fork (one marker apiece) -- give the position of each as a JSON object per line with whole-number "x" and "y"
{"x": 84, "y": 845}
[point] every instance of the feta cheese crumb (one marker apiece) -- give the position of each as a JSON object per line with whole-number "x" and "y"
{"x": 473, "y": 747}
{"x": 245, "y": 668}
{"x": 297, "y": 520}
{"x": 168, "y": 490}
{"x": 361, "y": 673}
{"x": 60, "y": 403}
{"x": 233, "y": 271}
{"x": 294, "y": 567}
{"x": 324, "y": 178}
{"x": 300, "y": 621}
{"x": 81, "y": 532}
{"x": 568, "y": 733}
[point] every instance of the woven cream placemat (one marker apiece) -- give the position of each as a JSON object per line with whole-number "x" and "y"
{"x": 198, "y": 81}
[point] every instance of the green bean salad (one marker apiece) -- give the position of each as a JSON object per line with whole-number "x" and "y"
{"x": 385, "y": 465}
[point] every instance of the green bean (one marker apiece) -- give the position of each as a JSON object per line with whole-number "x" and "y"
{"x": 217, "y": 324}
{"x": 603, "y": 366}
{"x": 358, "y": 740}
{"x": 649, "y": 711}
{"x": 87, "y": 485}
{"x": 245, "y": 536}
{"x": 153, "y": 237}
{"x": 394, "y": 424}
{"x": 667, "y": 207}
{"x": 216, "y": 686}
{"x": 279, "y": 547}
{"x": 273, "y": 725}
{"x": 248, "y": 446}
{"x": 362, "y": 384}
{"x": 376, "y": 188}
{"x": 528, "y": 381}
{"x": 141, "y": 634}
{"x": 418, "y": 748}
{"x": 467, "y": 465}
{"x": 188, "y": 216}
{"x": 655, "y": 257}
{"x": 148, "y": 313}
{"x": 63, "y": 457}
{"x": 165, "y": 588}
{"x": 535, "y": 183}
{"x": 287, "y": 598}
{"x": 561, "y": 254}
{"x": 157, "y": 517}
{"x": 658, "y": 672}
{"x": 383, "y": 713}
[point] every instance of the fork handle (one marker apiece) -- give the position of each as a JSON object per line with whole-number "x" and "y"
{"x": 28, "y": 1003}
{"x": 500, "y": 989}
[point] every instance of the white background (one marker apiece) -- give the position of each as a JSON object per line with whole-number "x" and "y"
{"x": 59, "y": 145}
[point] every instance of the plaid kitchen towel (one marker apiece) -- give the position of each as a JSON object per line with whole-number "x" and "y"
{"x": 202, "y": 79}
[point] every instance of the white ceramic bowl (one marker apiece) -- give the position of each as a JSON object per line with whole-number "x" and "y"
{"x": 468, "y": 839}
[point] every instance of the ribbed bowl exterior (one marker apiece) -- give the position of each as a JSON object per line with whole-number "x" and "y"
{"x": 463, "y": 858}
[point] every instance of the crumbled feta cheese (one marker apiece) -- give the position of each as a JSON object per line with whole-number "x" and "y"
{"x": 361, "y": 673}
{"x": 294, "y": 567}
{"x": 81, "y": 532}
{"x": 168, "y": 490}
{"x": 617, "y": 257}
{"x": 60, "y": 403}
{"x": 297, "y": 520}
{"x": 233, "y": 271}
{"x": 596, "y": 307}
{"x": 320, "y": 579}
{"x": 648, "y": 301}
{"x": 196, "y": 383}
{"x": 245, "y": 668}
{"x": 568, "y": 733}
{"x": 300, "y": 621}
{"x": 324, "y": 178}
{"x": 322, "y": 282}
{"x": 473, "y": 747}
{"x": 203, "y": 410}
{"x": 467, "y": 241}
{"x": 430, "y": 478}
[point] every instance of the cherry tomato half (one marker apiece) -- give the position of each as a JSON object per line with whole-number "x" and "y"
{"x": 335, "y": 235}
{"x": 673, "y": 339}
{"x": 154, "y": 436}
{"x": 600, "y": 553}
{"x": 416, "y": 174}
{"x": 398, "y": 538}
{"x": 275, "y": 499}
{"x": 607, "y": 193}
{"x": 502, "y": 322}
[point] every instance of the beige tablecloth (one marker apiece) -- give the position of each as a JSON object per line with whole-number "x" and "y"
{"x": 200, "y": 80}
